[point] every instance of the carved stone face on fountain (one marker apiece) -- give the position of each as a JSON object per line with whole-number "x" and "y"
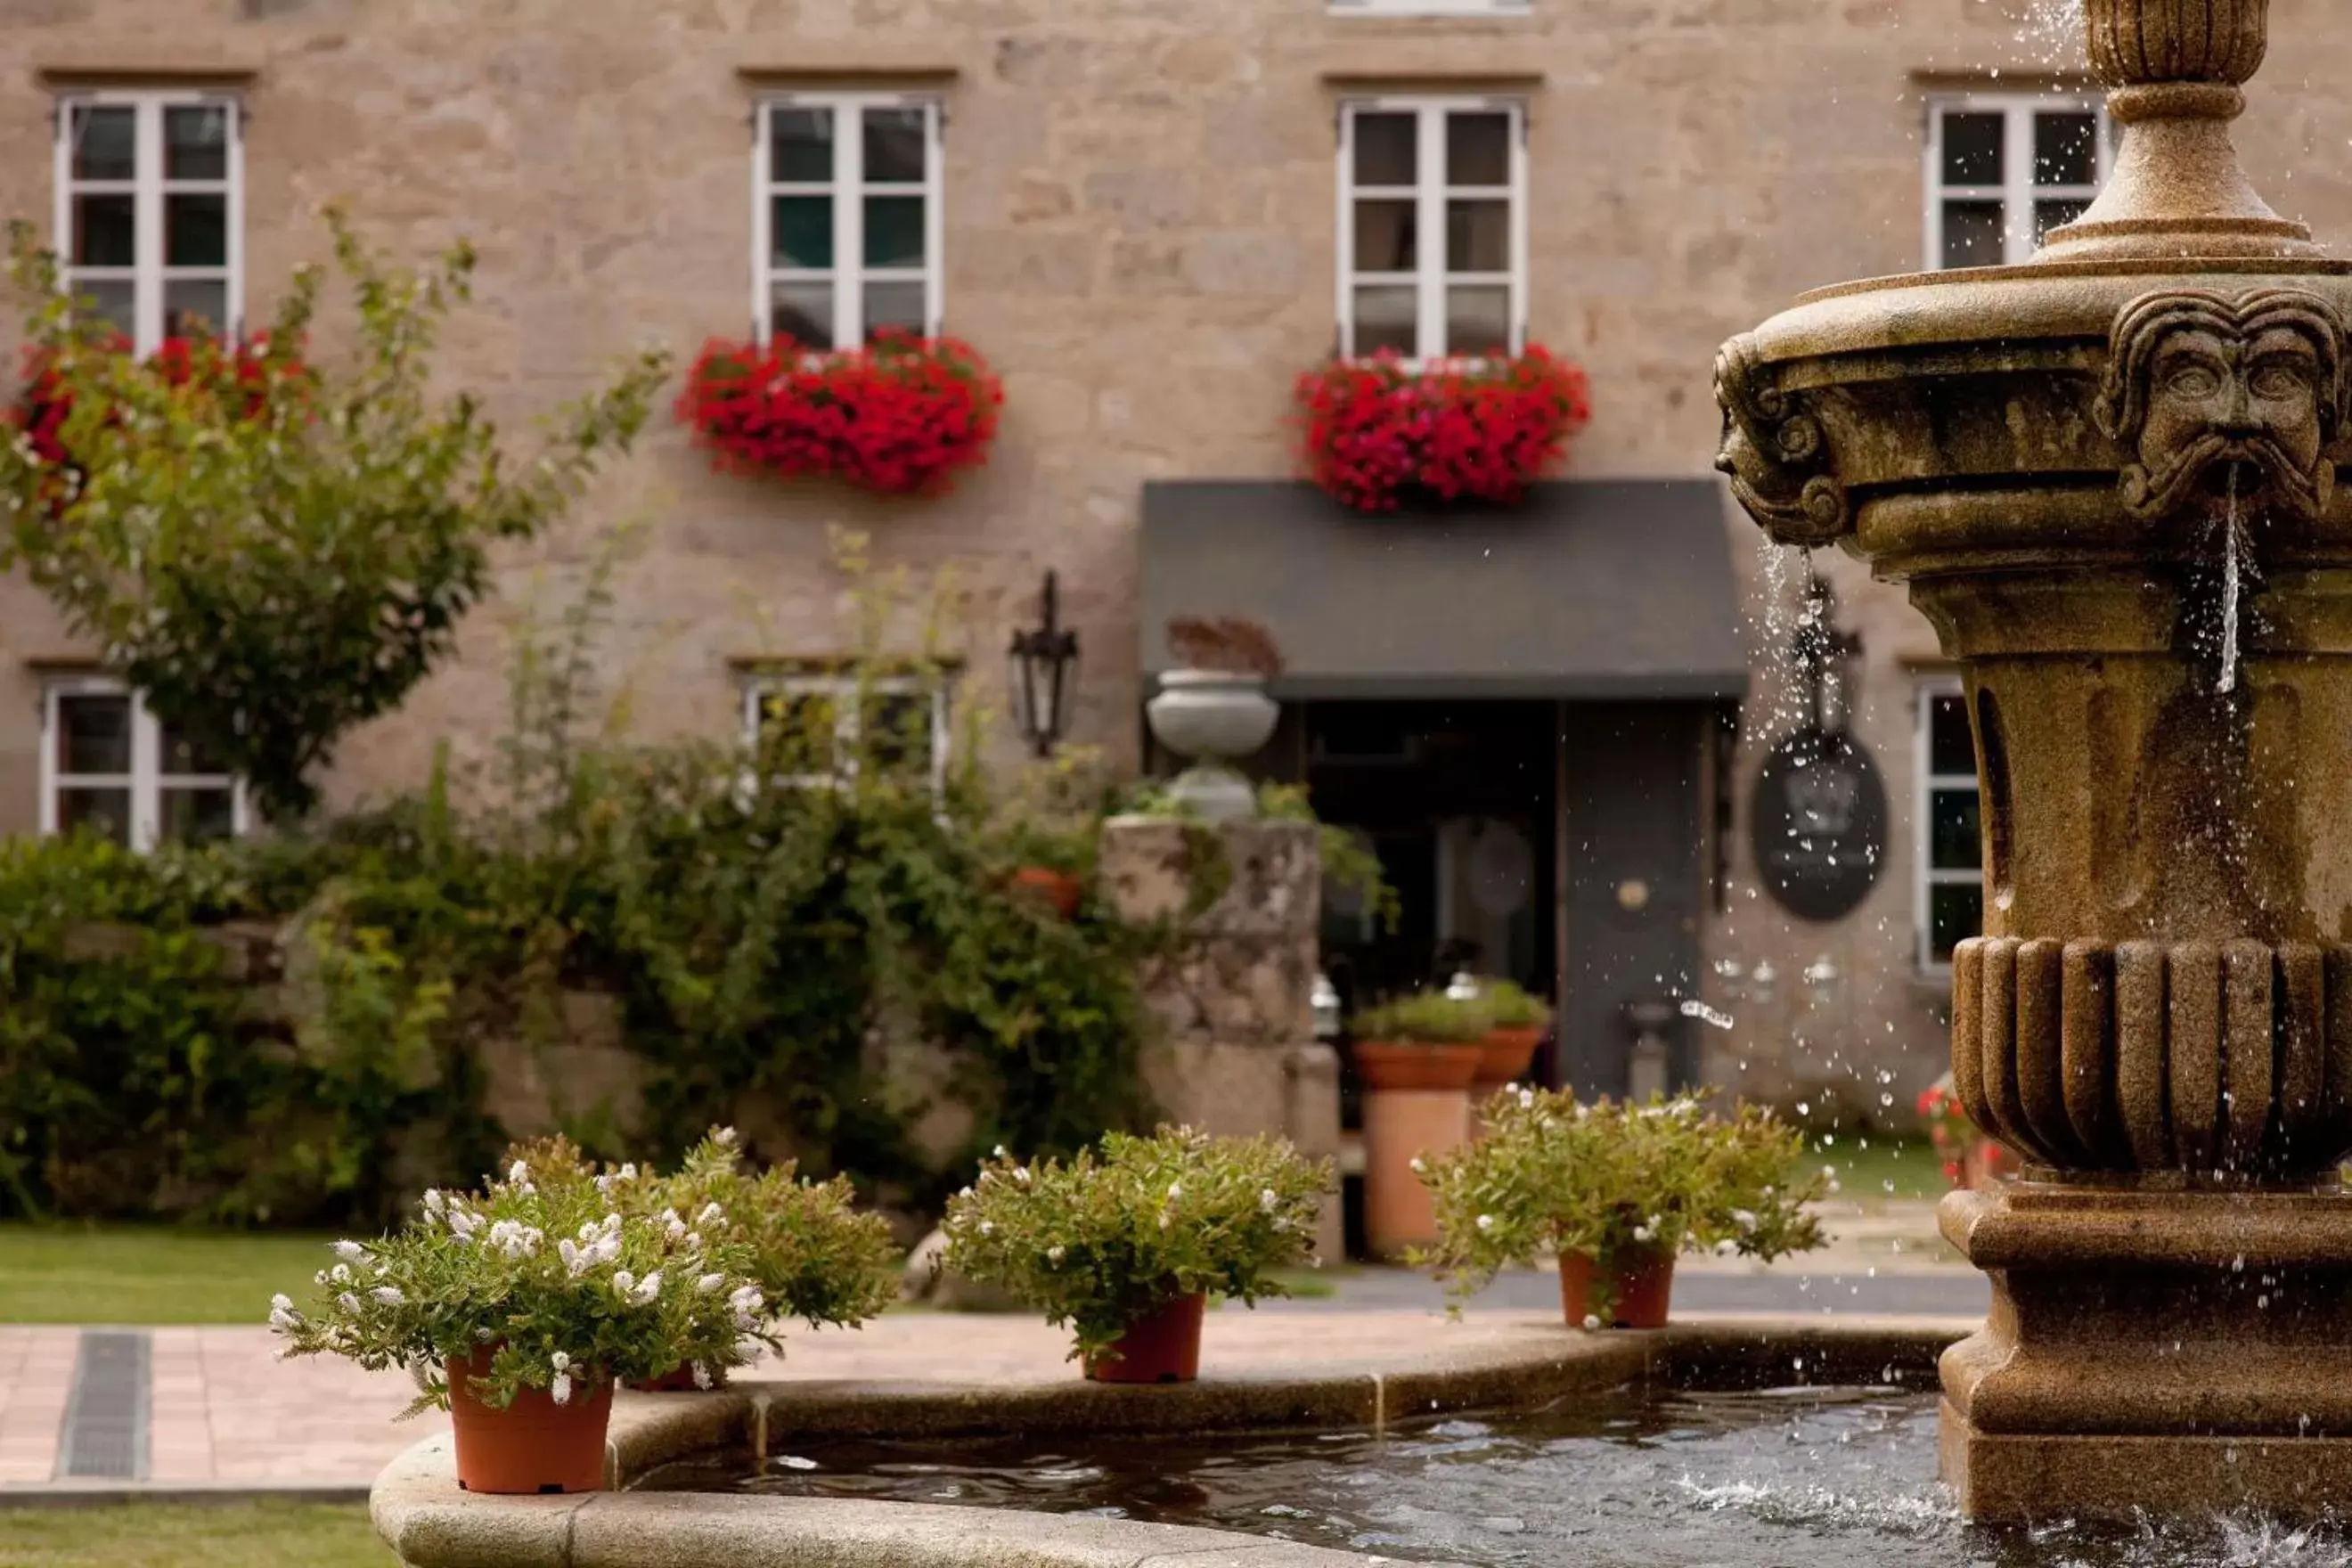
{"x": 2215, "y": 398}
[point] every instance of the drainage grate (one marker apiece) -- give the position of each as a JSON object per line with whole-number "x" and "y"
{"x": 105, "y": 1432}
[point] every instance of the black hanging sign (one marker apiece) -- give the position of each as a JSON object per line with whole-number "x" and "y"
{"x": 1818, "y": 824}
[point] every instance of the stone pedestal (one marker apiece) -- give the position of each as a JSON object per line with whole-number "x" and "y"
{"x": 2152, "y": 1338}
{"x": 1236, "y": 1052}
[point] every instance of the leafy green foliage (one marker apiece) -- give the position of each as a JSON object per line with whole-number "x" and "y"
{"x": 1098, "y": 1240}
{"x": 1602, "y": 1181}
{"x": 275, "y": 552}
{"x": 569, "y": 1288}
{"x": 1425, "y": 1018}
{"x": 1512, "y": 1006}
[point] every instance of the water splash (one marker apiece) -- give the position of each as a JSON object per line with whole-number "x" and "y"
{"x": 1707, "y": 1014}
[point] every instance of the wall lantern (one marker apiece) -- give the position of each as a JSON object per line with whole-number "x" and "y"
{"x": 1044, "y": 669}
{"x": 1822, "y": 656}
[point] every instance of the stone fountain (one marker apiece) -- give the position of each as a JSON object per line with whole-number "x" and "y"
{"x": 2108, "y": 477}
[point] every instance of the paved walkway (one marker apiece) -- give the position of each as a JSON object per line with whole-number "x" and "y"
{"x": 203, "y": 1407}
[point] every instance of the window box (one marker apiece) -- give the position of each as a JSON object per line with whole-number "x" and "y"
{"x": 1378, "y": 432}
{"x": 901, "y": 416}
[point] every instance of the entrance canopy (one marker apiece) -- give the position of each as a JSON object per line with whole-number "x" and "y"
{"x": 1589, "y": 591}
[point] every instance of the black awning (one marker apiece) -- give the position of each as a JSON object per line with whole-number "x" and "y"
{"x": 1590, "y": 590}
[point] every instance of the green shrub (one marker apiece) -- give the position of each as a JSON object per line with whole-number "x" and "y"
{"x": 1425, "y": 1018}
{"x": 1513, "y": 1007}
{"x": 1553, "y": 1177}
{"x": 1097, "y": 1241}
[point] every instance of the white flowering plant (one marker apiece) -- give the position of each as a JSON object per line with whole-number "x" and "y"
{"x": 1097, "y": 1241}
{"x": 543, "y": 1269}
{"x": 1614, "y": 1181}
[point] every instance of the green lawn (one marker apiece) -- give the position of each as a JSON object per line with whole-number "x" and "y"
{"x": 1875, "y": 1166}
{"x": 126, "y": 1274}
{"x": 226, "y": 1535}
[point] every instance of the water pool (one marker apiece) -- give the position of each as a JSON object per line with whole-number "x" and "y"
{"x": 1805, "y": 1478}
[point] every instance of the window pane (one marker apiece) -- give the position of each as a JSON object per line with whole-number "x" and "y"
{"x": 801, "y": 145}
{"x": 196, "y": 231}
{"x": 1972, "y": 234}
{"x": 1477, "y": 149}
{"x": 1951, "y": 747}
{"x": 797, "y": 731}
{"x": 803, "y": 313}
{"x": 111, "y": 299}
{"x": 1385, "y": 237}
{"x": 1955, "y": 913}
{"x": 2048, "y": 216}
{"x": 1974, "y": 150}
{"x": 195, "y": 142}
{"x": 898, "y": 734}
{"x": 1385, "y": 149}
{"x": 2065, "y": 149}
{"x": 895, "y": 145}
{"x": 804, "y": 231}
{"x": 183, "y": 756}
{"x": 896, "y": 305}
{"x": 105, "y": 231}
{"x": 1387, "y": 316}
{"x": 198, "y": 815}
{"x": 106, "y": 144}
{"x": 1478, "y": 237}
{"x": 1479, "y": 319}
{"x": 93, "y": 734}
{"x": 195, "y": 307}
{"x": 105, "y": 812}
{"x": 1954, "y": 840}
{"x": 894, "y": 231}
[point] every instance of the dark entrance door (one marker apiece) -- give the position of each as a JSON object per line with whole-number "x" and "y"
{"x": 1635, "y": 887}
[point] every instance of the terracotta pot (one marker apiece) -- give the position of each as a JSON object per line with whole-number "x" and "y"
{"x": 1059, "y": 889}
{"x": 678, "y": 1380}
{"x": 534, "y": 1445}
{"x": 1508, "y": 1054}
{"x": 1161, "y": 1346}
{"x": 1641, "y": 1295}
{"x": 1416, "y": 1105}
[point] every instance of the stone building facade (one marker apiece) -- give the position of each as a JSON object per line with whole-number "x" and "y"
{"x": 1135, "y": 214}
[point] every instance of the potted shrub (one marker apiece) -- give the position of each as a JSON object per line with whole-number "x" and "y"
{"x": 807, "y": 1248}
{"x": 1124, "y": 1244}
{"x": 519, "y": 1308}
{"x": 1051, "y": 868}
{"x": 1378, "y": 432}
{"x": 1416, "y": 1058}
{"x": 1615, "y": 1192}
{"x": 902, "y": 415}
{"x": 1518, "y": 1019}
{"x": 1213, "y": 709}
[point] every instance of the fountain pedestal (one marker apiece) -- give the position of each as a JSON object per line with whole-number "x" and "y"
{"x": 2110, "y": 479}
{"x": 2152, "y": 1350}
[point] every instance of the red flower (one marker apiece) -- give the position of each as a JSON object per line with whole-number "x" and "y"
{"x": 902, "y": 415}
{"x": 1374, "y": 429}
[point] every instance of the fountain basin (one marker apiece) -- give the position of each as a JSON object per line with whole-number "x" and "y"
{"x": 1484, "y": 1366}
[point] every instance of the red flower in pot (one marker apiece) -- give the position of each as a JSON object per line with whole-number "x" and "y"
{"x": 1378, "y": 432}
{"x": 900, "y": 415}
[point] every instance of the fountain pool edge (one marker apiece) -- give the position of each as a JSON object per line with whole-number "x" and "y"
{"x": 419, "y": 1510}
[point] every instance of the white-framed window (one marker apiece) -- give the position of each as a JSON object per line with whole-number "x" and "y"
{"x": 2003, "y": 170}
{"x": 1948, "y": 833}
{"x": 111, "y": 766}
{"x": 1431, "y": 8}
{"x": 818, "y": 729}
{"x": 151, "y": 210}
{"x": 1433, "y": 227}
{"x": 846, "y": 225}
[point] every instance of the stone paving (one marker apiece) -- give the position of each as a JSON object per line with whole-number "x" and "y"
{"x": 223, "y": 1411}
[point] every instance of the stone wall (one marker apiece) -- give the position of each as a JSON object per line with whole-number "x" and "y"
{"x": 1237, "y": 1053}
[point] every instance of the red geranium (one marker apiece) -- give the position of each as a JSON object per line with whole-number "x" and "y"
{"x": 244, "y": 372}
{"x": 900, "y": 415}
{"x": 1377, "y": 430}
